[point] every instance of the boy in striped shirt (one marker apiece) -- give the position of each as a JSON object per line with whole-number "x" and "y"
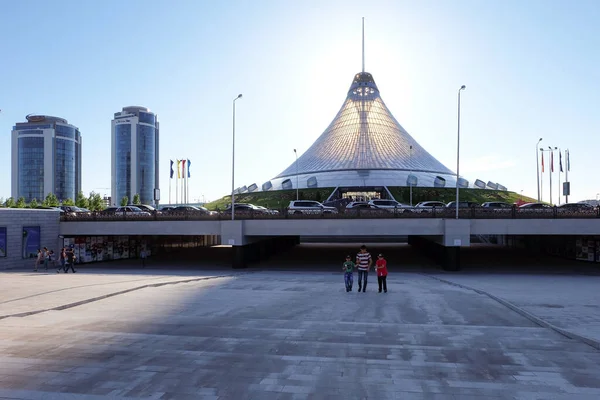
{"x": 363, "y": 263}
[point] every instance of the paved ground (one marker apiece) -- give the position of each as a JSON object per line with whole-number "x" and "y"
{"x": 280, "y": 335}
{"x": 571, "y": 302}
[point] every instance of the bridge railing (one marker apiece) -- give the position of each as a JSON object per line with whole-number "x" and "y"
{"x": 400, "y": 213}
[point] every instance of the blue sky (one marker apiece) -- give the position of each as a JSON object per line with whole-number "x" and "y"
{"x": 531, "y": 70}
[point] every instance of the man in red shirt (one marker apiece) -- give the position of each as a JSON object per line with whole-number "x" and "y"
{"x": 381, "y": 268}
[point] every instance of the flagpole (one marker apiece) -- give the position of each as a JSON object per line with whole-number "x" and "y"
{"x": 559, "y": 171}
{"x": 567, "y": 172}
{"x": 170, "y": 179}
{"x": 177, "y": 184}
{"x": 550, "y": 172}
{"x": 542, "y": 178}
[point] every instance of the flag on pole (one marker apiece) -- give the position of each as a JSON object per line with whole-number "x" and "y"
{"x": 560, "y": 161}
{"x": 542, "y": 161}
{"x": 178, "y": 170}
{"x": 189, "y": 162}
{"x": 568, "y": 160}
{"x": 551, "y": 161}
{"x": 183, "y": 169}
{"x": 172, "y": 172}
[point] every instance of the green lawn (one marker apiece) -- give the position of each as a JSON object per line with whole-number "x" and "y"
{"x": 281, "y": 199}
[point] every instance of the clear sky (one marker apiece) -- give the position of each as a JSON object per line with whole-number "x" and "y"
{"x": 532, "y": 69}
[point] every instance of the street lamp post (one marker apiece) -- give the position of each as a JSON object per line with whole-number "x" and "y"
{"x": 233, "y": 163}
{"x": 463, "y": 87}
{"x": 537, "y": 164}
{"x": 296, "y": 153}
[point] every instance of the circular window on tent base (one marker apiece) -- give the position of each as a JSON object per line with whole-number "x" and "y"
{"x": 252, "y": 187}
{"x": 287, "y": 184}
{"x": 412, "y": 180}
{"x": 492, "y": 185}
{"x": 267, "y": 186}
{"x": 480, "y": 184}
{"x": 311, "y": 182}
{"x": 463, "y": 183}
{"x": 439, "y": 182}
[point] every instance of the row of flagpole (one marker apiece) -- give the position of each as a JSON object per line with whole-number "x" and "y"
{"x": 566, "y": 191}
{"x": 183, "y": 174}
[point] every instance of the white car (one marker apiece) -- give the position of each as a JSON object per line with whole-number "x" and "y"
{"x": 389, "y": 205}
{"x": 309, "y": 207}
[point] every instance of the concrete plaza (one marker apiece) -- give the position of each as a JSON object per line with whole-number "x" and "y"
{"x": 295, "y": 334}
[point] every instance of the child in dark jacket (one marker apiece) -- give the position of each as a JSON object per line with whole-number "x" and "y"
{"x": 348, "y": 269}
{"x": 381, "y": 268}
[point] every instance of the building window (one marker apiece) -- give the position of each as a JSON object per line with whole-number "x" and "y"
{"x": 31, "y": 168}
{"x": 31, "y": 241}
{"x": 123, "y": 161}
{"x": 3, "y": 242}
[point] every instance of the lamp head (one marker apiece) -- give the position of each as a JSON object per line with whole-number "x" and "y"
{"x": 463, "y": 87}
{"x": 239, "y": 96}
{"x": 294, "y": 150}
{"x": 540, "y": 140}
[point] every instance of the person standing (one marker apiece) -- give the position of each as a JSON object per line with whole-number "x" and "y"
{"x": 381, "y": 268}
{"x": 143, "y": 257}
{"x": 348, "y": 269}
{"x": 363, "y": 263}
{"x": 46, "y": 254}
{"x": 38, "y": 260}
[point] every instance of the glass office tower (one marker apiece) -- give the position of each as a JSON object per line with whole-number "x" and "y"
{"x": 46, "y": 158}
{"x": 134, "y": 139}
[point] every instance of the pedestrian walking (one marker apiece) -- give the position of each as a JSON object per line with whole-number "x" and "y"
{"x": 38, "y": 260}
{"x": 363, "y": 263}
{"x": 348, "y": 268}
{"x": 63, "y": 260}
{"x": 70, "y": 261}
{"x": 381, "y": 268}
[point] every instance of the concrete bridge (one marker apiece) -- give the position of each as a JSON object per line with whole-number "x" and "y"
{"x": 253, "y": 239}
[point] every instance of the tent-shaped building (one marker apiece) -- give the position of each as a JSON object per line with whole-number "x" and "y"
{"x": 364, "y": 147}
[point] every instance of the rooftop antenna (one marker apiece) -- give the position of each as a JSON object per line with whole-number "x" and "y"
{"x": 363, "y": 44}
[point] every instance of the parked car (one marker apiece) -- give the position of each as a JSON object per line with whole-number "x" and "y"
{"x": 144, "y": 207}
{"x": 496, "y": 204}
{"x": 582, "y": 208}
{"x": 133, "y": 210}
{"x": 73, "y": 209}
{"x": 390, "y": 205}
{"x": 309, "y": 207}
{"x": 534, "y": 206}
{"x": 462, "y": 204}
{"x": 430, "y": 204}
{"x": 267, "y": 210}
{"x": 362, "y": 208}
{"x": 189, "y": 210}
{"x": 246, "y": 209}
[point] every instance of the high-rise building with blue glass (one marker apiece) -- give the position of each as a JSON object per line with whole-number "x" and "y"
{"x": 134, "y": 139}
{"x": 46, "y": 158}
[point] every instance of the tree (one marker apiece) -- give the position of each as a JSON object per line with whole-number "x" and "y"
{"x": 68, "y": 202}
{"x": 81, "y": 201}
{"x": 10, "y": 202}
{"x": 21, "y": 202}
{"x": 2, "y": 201}
{"x": 51, "y": 201}
{"x": 95, "y": 202}
{"x": 33, "y": 203}
{"x": 136, "y": 199}
{"x": 124, "y": 201}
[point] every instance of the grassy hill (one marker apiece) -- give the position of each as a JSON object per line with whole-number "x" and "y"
{"x": 281, "y": 199}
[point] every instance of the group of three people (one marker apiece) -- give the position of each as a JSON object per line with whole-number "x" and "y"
{"x": 363, "y": 265}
